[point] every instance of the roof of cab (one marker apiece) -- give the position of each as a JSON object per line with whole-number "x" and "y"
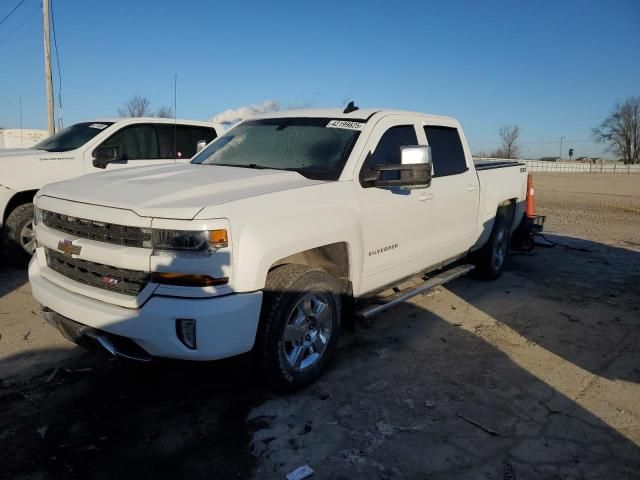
{"x": 154, "y": 120}
{"x": 338, "y": 113}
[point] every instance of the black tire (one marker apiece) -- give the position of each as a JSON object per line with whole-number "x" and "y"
{"x": 12, "y": 236}
{"x": 285, "y": 288}
{"x": 491, "y": 258}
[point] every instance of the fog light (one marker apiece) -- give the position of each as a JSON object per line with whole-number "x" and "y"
{"x": 186, "y": 331}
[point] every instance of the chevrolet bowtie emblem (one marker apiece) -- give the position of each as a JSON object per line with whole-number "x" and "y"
{"x": 68, "y": 248}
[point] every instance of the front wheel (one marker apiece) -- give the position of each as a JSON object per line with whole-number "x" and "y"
{"x": 18, "y": 242}
{"x": 300, "y": 324}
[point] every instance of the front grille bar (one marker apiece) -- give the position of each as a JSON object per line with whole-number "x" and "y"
{"x": 94, "y": 230}
{"x": 128, "y": 282}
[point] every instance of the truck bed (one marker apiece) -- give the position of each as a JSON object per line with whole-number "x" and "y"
{"x": 484, "y": 164}
{"x": 497, "y": 183}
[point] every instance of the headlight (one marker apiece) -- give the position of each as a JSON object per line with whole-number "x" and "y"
{"x": 37, "y": 215}
{"x": 202, "y": 242}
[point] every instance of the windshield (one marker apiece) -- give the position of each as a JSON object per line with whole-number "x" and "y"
{"x": 72, "y": 137}
{"x": 315, "y": 147}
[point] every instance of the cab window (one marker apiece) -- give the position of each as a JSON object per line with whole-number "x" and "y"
{"x": 137, "y": 142}
{"x": 180, "y": 141}
{"x": 388, "y": 149}
{"x": 446, "y": 150}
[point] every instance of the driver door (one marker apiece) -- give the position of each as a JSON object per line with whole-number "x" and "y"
{"x": 398, "y": 222}
{"x": 138, "y": 145}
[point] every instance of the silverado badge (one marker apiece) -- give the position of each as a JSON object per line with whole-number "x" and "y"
{"x": 68, "y": 248}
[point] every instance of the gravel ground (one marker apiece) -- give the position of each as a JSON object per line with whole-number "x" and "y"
{"x": 603, "y": 208}
{"x": 536, "y": 375}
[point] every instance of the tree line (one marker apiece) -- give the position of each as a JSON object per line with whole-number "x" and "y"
{"x": 620, "y": 131}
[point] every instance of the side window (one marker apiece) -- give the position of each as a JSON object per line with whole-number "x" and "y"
{"x": 138, "y": 142}
{"x": 388, "y": 148}
{"x": 188, "y": 138}
{"x": 446, "y": 151}
{"x": 183, "y": 138}
{"x": 165, "y": 136}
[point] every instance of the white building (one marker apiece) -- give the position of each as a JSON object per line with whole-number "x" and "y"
{"x": 21, "y": 138}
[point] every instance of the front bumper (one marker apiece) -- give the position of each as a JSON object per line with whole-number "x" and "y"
{"x": 225, "y": 326}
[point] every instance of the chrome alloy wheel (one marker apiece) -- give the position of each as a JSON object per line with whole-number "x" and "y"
{"x": 307, "y": 331}
{"x": 27, "y": 239}
{"x": 500, "y": 249}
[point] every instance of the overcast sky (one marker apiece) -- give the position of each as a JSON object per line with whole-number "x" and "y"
{"x": 556, "y": 68}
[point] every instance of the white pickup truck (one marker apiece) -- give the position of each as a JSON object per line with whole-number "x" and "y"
{"x": 84, "y": 148}
{"x": 270, "y": 236}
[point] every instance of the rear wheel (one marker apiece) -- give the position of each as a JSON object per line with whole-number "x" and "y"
{"x": 17, "y": 239}
{"x": 491, "y": 258}
{"x": 300, "y": 324}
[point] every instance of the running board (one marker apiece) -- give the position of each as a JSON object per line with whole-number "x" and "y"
{"x": 402, "y": 295}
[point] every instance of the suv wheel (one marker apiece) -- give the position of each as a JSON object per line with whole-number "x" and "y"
{"x": 18, "y": 243}
{"x": 300, "y": 324}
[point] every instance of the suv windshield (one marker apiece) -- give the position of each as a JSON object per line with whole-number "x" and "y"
{"x": 72, "y": 137}
{"x": 314, "y": 147}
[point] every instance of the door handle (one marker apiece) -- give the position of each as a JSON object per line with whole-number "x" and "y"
{"x": 472, "y": 188}
{"x": 425, "y": 196}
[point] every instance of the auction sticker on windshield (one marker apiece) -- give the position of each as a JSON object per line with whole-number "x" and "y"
{"x": 349, "y": 125}
{"x": 99, "y": 126}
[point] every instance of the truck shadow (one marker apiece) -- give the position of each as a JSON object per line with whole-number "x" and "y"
{"x": 96, "y": 417}
{"x": 411, "y": 394}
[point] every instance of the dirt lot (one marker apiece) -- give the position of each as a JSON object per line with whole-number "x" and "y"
{"x": 536, "y": 375}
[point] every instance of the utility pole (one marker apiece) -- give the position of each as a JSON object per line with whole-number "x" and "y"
{"x": 47, "y": 66}
{"x": 561, "y": 142}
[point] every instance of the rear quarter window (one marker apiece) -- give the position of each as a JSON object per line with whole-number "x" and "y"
{"x": 180, "y": 141}
{"x": 446, "y": 151}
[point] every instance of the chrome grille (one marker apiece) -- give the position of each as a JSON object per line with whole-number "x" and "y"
{"x": 94, "y": 230}
{"x": 121, "y": 280}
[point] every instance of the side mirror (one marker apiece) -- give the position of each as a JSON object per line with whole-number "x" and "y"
{"x": 200, "y": 145}
{"x": 103, "y": 156}
{"x": 414, "y": 170}
{"x": 415, "y": 155}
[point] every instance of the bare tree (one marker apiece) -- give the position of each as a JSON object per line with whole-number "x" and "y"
{"x": 621, "y": 130}
{"x": 165, "y": 112}
{"x": 136, "y": 106}
{"x": 510, "y": 147}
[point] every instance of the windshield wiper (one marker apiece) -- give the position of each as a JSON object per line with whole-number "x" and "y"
{"x": 251, "y": 165}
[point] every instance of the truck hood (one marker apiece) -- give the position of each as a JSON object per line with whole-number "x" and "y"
{"x": 173, "y": 191}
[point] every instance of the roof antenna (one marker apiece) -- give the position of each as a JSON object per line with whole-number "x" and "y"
{"x": 351, "y": 107}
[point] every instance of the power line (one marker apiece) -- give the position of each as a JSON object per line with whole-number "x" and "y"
{"x": 11, "y": 12}
{"x": 33, "y": 12}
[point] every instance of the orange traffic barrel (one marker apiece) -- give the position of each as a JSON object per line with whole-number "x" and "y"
{"x": 531, "y": 198}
